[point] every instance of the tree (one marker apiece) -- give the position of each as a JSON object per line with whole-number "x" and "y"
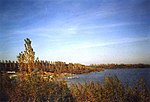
{"x": 27, "y": 57}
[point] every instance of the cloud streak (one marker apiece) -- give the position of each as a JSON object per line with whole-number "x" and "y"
{"x": 103, "y": 44}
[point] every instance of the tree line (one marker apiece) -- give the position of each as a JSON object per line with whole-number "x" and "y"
{"x": 58, "y": 66}
{"x": 115, "y": 66}
{"x": 8, "y": 65}
{"x": 62, "y": 67}
{"x": 47, "y": 66}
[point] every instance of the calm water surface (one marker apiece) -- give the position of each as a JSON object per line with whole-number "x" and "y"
{"x": 130, "y": 75}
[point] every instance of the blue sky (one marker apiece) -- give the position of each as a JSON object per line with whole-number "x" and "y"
{"x": 78, "y": 31}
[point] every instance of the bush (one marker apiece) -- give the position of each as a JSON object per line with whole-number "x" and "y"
{"x": 37, "y": 89}
{"x": 34, "y": 88}
{"x": 112, "y": 90}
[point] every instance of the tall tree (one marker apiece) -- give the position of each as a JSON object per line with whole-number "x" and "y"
{"x": 26, "y": 57}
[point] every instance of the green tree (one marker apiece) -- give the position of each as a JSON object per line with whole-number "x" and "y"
{"x": 27, "y": 57}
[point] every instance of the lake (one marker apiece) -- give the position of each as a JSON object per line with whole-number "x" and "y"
{"x": 130, "y": 75}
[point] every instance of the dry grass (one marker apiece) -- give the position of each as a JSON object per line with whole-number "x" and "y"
{"x": 34, "y": 88}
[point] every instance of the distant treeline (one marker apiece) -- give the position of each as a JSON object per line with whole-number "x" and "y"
{"x": 62, "y": 67}
{"x": 48, "y": 66}
{"x": 6, "y": 65}
{"x": 114, "y": 66}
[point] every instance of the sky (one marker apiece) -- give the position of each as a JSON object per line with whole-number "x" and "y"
{"x": 77, "y": 31}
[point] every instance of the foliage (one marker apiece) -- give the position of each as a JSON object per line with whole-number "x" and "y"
{"x": 112, "y": 90}
{"x": 5, "y": 85}
{"x": 48, "y": 66}
{"x": 62, "y": 67}
{"x": 114, "y": 66}
{"x": 27, "y": 57}
{"x": 34, "y": 88}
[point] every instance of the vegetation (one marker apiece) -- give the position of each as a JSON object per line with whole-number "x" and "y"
{"x": 33, "y": 88}
{"x": 114, "y": 66}
{"x": 112, "y": 90}
{"x": 48, "y": 66}
{"x": 26, "y": 59}
{"x": 62, "y": 67}
{"x": 8, "y": 65}
{"x": 31, "y": 85}
{"x": 37, "y": 89}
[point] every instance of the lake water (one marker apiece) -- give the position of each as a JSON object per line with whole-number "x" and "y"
{"x": 130, "y": 75}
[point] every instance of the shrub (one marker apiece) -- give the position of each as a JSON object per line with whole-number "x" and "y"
{"x": 36, "y": 89}
{"x": 112, "y": 90}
